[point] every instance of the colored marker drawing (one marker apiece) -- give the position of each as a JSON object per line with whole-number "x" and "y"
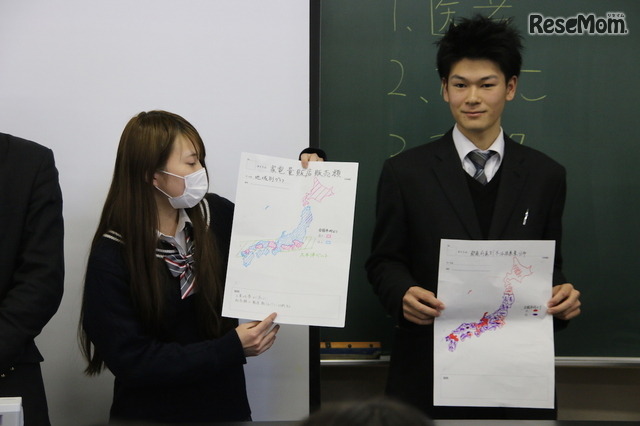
{"x": 289, "y": 241}
{"x": 497, "y": 319}
{"x": 318, "y": 192}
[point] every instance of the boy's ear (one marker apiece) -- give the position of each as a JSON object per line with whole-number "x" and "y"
{"x": 443, "y": 88}
{"x": 512, "y": 84}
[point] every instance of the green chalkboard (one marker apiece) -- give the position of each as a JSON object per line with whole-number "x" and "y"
{"x": 578, "y": 101}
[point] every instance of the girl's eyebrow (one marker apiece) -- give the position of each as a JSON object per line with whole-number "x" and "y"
{"x": 191, "y": 154}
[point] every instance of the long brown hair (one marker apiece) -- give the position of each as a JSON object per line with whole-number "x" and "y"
{"x": 131, "y": 210}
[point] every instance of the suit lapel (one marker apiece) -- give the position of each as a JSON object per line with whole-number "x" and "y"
{"x": 452, "y": 179}
{"x": 513, "y": 178}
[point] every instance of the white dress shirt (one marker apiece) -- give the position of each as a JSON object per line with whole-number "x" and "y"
{"x": 464, "y": 146}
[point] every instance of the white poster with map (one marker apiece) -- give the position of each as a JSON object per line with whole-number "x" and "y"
{"x": 291, "y": 241}
{"x": 493, "y": 343}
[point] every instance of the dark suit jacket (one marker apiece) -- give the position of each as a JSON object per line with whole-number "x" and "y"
{"x": 31, "y": 247}
{"x": 423, "y": 197}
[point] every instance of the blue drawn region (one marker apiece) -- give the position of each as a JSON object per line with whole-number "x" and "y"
{"x": 285, "y": 243}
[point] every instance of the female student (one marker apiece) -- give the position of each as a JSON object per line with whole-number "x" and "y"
{"x": 154, "y": 284}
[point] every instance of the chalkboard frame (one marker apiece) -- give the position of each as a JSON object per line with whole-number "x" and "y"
{"x": 567, "y": 85}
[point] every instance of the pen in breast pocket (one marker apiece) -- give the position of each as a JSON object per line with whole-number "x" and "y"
{"x": 526, "y": 216}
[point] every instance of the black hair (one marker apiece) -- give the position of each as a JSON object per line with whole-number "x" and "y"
{"x": 481, "y": 38}
{"x": 380, "y": 411}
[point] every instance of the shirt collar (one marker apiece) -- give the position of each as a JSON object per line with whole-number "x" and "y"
{"x": 464, "y": 146}
{"x": 180, "y": 237}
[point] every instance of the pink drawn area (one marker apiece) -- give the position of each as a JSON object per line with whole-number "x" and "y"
{"x": 318, "y": 192}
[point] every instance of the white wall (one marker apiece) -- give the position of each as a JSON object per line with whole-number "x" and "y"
{"x": 73, "y": 72}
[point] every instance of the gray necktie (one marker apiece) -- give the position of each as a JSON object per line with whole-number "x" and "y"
{"x": 479, "y": 159}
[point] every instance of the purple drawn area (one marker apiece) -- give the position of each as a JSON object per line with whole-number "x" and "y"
{"x": 497, "y": 319}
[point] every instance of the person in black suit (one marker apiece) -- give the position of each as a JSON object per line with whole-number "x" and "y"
{"x": 31, "y": 267}
{"x": 435, "y": 191}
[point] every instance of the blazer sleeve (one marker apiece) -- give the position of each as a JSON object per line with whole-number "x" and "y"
{"x": 36, "y": 284}
{"x": 132, "y": 354}
{"x": 387, "y": 266}
{"x": 553, "y": 230}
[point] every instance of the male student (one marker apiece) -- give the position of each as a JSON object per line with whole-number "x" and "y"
{"x": 443, "y": 190}
{"x": 31, "y": 267}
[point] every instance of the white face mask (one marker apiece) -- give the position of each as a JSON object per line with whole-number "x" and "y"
{"x": 195, "y": 186}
